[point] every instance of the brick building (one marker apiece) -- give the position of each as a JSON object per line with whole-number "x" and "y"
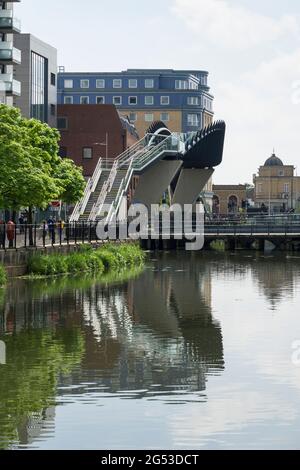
{"x": 89, "y": 132}
{"x": 229, "y": 198}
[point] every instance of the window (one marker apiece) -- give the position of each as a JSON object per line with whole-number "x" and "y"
{"x": 149, "y": 100}
{"x": 132, "y": 83}
{"x": 84, "y": 100}
{"x": 149, "y": 83}
{"x": 132, "y": 100}
{"x": 53, "y": 79}
{"x": 280, "y": 173}
{"x": 87, "y": 152}
{"x": 53, "y": 109}
{"x": 181, "y": 84}
{"x": 193, "y": 120}
{"x": 286, "y": 188}
{"x": 62, "y": 123}
{"x": 149, "y": 117}
{"x": 193, "y": 101}
{"x": 165, "y": 100}
{"x": 117, "y": 100}
{"x": 165, "y": 117}
{"x": 68, "y": 100}
{"x": 193, "y": 85}
{"x": 117, "y": 83}
{"x": 68, "y": 84}
{"x": 133, "y": 117}
{"x": 100, "y": 83}
{"x": 63, "y": 152}
{"x": 84, "y": 84}
{"x": 100, "y": 100}
{"x": 39, "y": 87}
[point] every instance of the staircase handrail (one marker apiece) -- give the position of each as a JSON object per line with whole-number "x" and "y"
{"x": 99, "y": 203}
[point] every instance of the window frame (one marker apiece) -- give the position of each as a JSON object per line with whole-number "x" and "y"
{"x": 100, "y": 80}
{"x": 83, "y": 153}
{"x": 136, "y": 100}
{"x": 192, "y": 123}
{"x": 165, "y": 120}
{"x": 149, "y": 120}
{"x": 69, "y": 97}
{"x": 66, "y": 121}
{"x": 85, "y": 97}
{"x": 133, "y": 120}
{"x": 70, "y": 80}
{"x": 103, "y": 97}
{"x": 84, "y": 87}
{"x": 132, "y": 80}
{"x": 149, "y": 80}
{"x": 117, "y": 80}
{"x": 117, "y": 104}
{"x": 168, "y": 100}
{"x": 149, "y": 104}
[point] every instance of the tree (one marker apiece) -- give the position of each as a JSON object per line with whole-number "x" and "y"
{"x": 32, "y": 173}
{"x": 71, "y": 181}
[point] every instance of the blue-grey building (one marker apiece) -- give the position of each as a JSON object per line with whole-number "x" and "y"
{"x": 180, "y": 98}
{"x": 10, "y": 56}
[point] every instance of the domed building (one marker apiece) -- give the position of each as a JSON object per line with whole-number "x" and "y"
{"x": 277, "y": 189}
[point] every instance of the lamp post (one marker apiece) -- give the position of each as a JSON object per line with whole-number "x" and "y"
{"x": 104, "y": 144}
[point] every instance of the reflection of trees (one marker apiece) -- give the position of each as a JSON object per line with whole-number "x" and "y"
{"x": 44, "y": 343}
{"x": 276, "y": 275}
{"x": 28, "y": 381}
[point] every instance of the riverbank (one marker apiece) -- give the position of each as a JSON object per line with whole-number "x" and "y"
{"x": 87, "y": 260}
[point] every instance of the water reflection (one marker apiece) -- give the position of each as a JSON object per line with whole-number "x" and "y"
{"x": 152, "y": 336}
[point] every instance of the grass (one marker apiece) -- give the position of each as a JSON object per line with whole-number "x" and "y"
{"x": 2, "y": 276}
{"x": 114, "y": 257}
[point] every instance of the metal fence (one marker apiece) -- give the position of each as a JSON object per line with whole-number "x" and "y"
{"x": 43, "y": 235}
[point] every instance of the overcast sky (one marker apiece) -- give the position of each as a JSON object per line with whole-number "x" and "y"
{"x": 251, "y": 49}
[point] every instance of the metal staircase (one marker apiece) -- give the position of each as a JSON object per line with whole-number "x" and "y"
{"x": 111, "y": 179}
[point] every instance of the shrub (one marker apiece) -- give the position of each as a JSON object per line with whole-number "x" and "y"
{"x": 77, "y": 262}
{"x": 95, "y": 264}
{"x": 2, "y": 276}
{"x": 108, "y": 258}
{"x": 42, "y": 265}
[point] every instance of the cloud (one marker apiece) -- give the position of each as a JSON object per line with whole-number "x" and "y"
{"x": 228, "y": 25}
{"x": 261, "y": 112}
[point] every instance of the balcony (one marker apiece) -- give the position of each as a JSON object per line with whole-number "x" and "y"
{"x": 9, "y": 85}
{"x": 9, "y": 54}
{"x": 8, "y": 22}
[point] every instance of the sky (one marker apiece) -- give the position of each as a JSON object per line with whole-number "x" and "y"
{"x": 251, "y": 48}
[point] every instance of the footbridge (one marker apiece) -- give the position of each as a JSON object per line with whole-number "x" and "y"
{"x": 161, "y": 160}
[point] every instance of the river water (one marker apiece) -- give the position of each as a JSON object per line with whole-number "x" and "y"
{"x": 194, "y": 352}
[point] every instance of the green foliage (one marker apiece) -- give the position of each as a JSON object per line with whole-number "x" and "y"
{"x": 28, "y": 382}
{"x": 2, "y": 276}
{"x": 87, "y": 259}
{"x": 32, "y": 173}
{"x": 71, "y": 179}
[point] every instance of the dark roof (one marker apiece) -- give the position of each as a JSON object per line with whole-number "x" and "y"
{"x": 273, "y": 161}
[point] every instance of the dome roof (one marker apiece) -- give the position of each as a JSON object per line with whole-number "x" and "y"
{"x": 273, "y": 161}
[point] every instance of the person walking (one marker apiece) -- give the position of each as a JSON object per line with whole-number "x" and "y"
{"x": 10, "y": 233}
